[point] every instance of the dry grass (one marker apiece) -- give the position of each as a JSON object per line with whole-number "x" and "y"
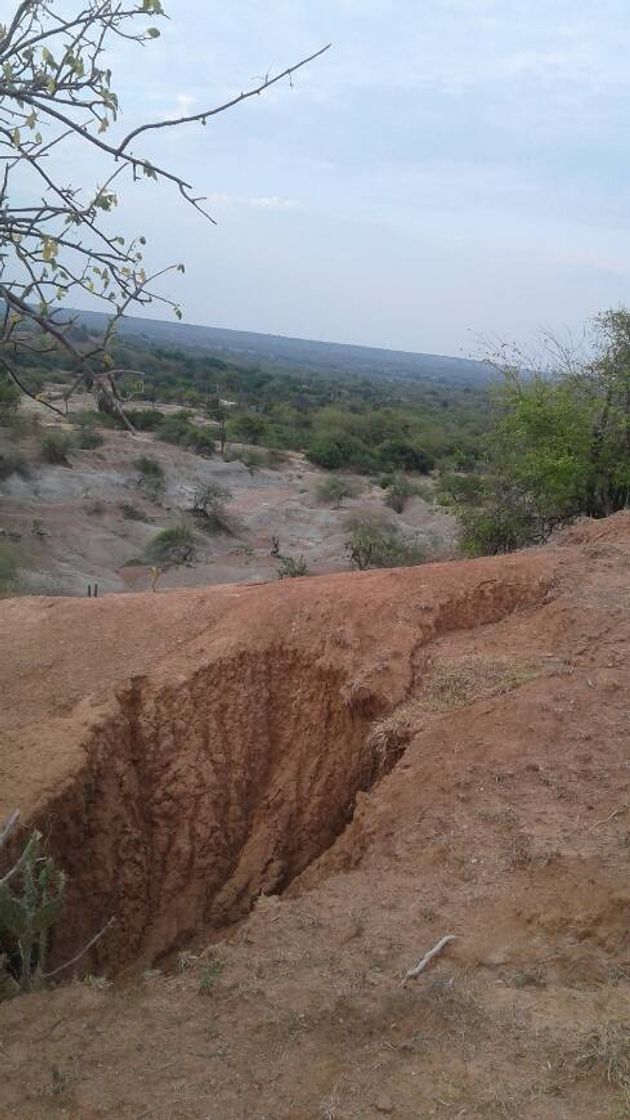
{"x": 605, "y": 1049}
{"x": 454, "y": 684}
{"x": 450, "y": 684}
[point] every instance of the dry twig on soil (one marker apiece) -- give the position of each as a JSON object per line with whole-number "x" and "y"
{"x": 428, "y": 957}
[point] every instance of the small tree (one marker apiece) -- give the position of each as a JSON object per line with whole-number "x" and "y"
{"x": 335, "y": 488}
{"x": 558, "y": 448}
{"x": 398, "y": 491}
{"x": 209, "y": 504}
{"x": 376, "y": 544}
{"x": 172, "y": 547}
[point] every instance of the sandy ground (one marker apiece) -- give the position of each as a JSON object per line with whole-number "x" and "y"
{"x": 73, "y": 529}
{"x": 285, "y": 795}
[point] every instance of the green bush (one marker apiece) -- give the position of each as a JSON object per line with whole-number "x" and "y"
{"x": 172, "y": 546}
{"x": 179, "y": 429}
{"x": 291, "y": 567}
{"x": 503, "y": 521}
{"x": 398, "y": 490}
{"x": 400, "y": 454}
{"x": 334, "y": 451}
{"x": 9, "y": 398}
{"x": 247, "y": 428}
{"x": 376, "y": 544}
{"x": 31, "y": 898}
{"x": 92, "y": 418}
{"x": 152, "y": 477}
{"x": 335, "y": 488}
{"x": 146, "y": 419}
{"x": 131, "y": 513}
{"x": 55, "y": 448}
{"x": 88, "y": 439}
{"x": 209, "y": 505}
{"x": 12, "y": 462}
{"x": 202, "y": 442}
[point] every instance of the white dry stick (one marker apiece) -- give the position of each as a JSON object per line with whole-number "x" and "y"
{"x": 9, "y": 826}
{"x": 421, "y": 965}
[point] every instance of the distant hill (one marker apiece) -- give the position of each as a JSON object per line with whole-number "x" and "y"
{"x": 296, "y": 353}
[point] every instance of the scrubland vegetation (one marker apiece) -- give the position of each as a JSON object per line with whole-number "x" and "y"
{"x": 513, "y": 460}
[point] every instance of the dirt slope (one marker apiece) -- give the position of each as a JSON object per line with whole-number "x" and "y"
{"x": 92, "y": 521}
{"x": 402, "y": 755}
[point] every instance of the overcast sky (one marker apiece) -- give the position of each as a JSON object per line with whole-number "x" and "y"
{"x": 451, "y": 168}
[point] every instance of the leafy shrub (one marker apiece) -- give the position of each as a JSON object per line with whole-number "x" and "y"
{"x": 146, "y": 419}
{"x": 335, "y": 488}
{"x": 333, "y": 451}
{"x": 291, "y": 567}
{"x": 9, "y": 398}
{"x": 376, "y": 544}
{"x": 88, "y": 439}
{"x": 209, "y": 975}
{"x": 248, "y": 428}
{"x": 31, "y": 898}
{"x": 91, "y": 418}
{"x": 202, "y": 442}
{"x": 131, "y": 513}
{"x": 11, "y": 462}
{"x": 400, "y": 454}
{"x": 398, "y": 491}
{"x": 255, "y": 458}
{"x": 176, "y": 428}
{"x": 461, "y": 489}
{"x": 179, "y": 429}
{"x": 209, "y": 502}
{"x": 152, "y": 477}
{"x": 172, "y": 546}
{"x": 504, "y": 521}
{"x": 55, "y": 448}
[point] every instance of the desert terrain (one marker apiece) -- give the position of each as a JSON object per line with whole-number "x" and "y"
{"x": 91, "y": 520}
{"x": 283, "y": 796}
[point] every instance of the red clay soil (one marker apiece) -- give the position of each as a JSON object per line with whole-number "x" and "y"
{"x": 370, "y": 762}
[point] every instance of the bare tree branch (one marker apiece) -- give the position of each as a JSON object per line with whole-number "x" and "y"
{"x": 55, "y": 87}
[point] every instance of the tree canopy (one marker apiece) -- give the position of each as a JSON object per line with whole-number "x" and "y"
{"x": 559, "y": 447}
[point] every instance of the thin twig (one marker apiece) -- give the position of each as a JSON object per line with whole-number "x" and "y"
{"x": 9, "y": 827}
{"x": 421, "y": 965}
{"x": 204, "y": 114}
{"x": 611, "y": 816}
{"x": 82, "y": 952}
{"x": 27, "y": 393}
{"x": 20, "y": 863}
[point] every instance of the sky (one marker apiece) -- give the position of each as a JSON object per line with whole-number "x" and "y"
{"x": 450, "y": 171}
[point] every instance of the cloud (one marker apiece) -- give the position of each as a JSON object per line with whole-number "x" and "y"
{"x": 261, "y": 202}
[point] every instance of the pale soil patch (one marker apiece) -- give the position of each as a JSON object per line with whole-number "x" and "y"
{"x": 91, "y": 523}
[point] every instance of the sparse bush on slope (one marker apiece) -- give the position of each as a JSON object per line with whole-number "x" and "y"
{"x": 172, "y": 546}
{"x": 376, "y": 544}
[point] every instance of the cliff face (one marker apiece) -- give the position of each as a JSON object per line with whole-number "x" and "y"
{"x": 185, "y": 752}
